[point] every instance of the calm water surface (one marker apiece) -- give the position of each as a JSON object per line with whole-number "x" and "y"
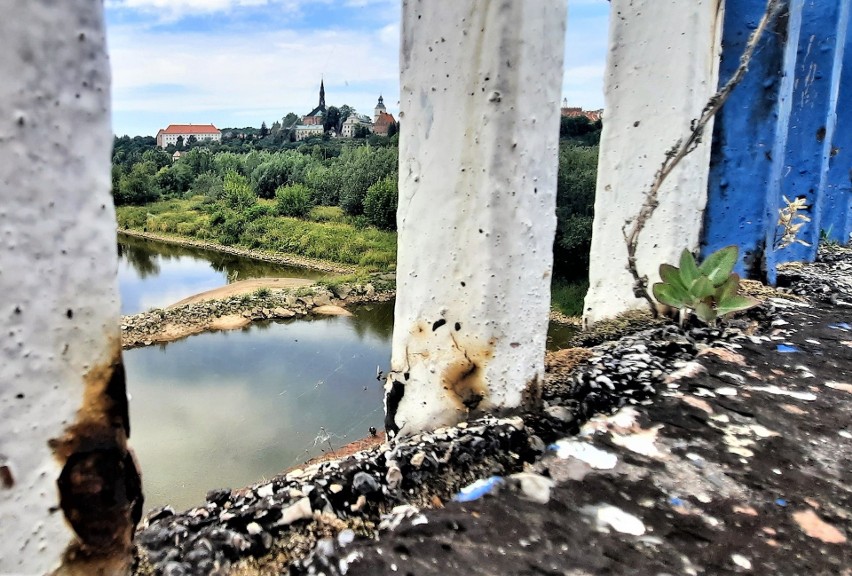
{"x": 155, "y": 274}
{"x": 227, "y": 409}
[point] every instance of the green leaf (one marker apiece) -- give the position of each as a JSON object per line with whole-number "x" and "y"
{"x": 729, "y": 288}
{"x": 735, "y": 303}
{"x": 718, "y": 265}
{"x": 705, "y": 312}
{"x": 671, "y": 275}
{"x": 701, "y": 288}
{"x": 670, "y": 295}
{"x": 688, "y": 270}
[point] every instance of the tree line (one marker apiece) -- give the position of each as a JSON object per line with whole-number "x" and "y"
{"x": 359, "y": 177}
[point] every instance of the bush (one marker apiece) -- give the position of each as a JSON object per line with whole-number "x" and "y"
{"x": 568, "y": 297}
{"x": 237, "y": 193}
{"x": 259, "y": 211}
{"x": 295, "y": 200}
{"x": 381, "y": 202}
{"x": 326, "y": 214}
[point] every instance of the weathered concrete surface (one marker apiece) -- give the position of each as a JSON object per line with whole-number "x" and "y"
{"x": 478, "y": 158}
{"x": 655, "y": 85}
{"x": 68, "y": 486}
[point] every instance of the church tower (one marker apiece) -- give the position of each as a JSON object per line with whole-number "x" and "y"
{"x": 380, "y": 107}
{"x": 322, "y": 96}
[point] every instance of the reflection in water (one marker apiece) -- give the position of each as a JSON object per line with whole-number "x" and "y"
{"x": 156, "y": 274}
{"x": 227, "y": 409}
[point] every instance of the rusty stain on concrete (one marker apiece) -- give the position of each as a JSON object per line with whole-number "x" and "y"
{"x": 100, "y": 485}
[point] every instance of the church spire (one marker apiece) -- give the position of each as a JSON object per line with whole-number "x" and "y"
{"x": 322, "y": 96}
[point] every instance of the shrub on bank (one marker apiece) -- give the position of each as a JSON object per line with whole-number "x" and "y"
{"x": 381, "y": 202}
{"x": 295, "y": 200}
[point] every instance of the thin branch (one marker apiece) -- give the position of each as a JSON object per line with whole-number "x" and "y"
{"x": 682, "y": 148}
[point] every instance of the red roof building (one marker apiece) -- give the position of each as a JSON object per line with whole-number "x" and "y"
{"x": 383, "y": 123}
{"x": 171, "y": 134}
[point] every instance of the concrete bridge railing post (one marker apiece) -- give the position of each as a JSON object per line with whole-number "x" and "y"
{"x": 480, "y": 93}
{"x": 655, "y": 85}
{"x": 69, "y": 489}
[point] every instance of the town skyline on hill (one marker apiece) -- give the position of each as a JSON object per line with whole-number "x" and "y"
{"x": 238, "y": 63}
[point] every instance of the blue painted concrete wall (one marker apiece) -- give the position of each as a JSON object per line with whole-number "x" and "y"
{"x": 749, "y": 135}
{"x": 837, "y": 208}
{"x": 776, "y": 134}
{"x": 812, "y": 117}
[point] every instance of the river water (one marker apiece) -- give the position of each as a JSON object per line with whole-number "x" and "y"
{"x": 228, "y": 409}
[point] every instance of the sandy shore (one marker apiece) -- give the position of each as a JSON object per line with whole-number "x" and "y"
{"x": 243, "y": 287}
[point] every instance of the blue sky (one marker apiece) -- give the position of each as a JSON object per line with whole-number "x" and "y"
{"x": 238, "y": 63}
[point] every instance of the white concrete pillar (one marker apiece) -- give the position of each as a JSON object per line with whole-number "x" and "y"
{"x": 662, "y": 67}
{"x": 67, "y": 484}
{"x": 479, "y": 124}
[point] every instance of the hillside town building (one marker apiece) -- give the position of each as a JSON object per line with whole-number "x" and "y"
{"x": 573, "y": 112}
{"x": 201, "y": 132}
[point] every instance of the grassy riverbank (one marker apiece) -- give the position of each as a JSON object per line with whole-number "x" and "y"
{"x": 327, "y": 234}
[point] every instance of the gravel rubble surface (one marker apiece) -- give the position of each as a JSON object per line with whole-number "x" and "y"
{"x": 669, "y": 451}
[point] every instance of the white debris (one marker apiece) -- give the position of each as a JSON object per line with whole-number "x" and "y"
{"x": 741, "y": 561}
{"x": 726, "y": 391}
{"x": 345, "y": 537}
{"x": 264, "y": 491}
{"x": 641, "y": 442}
{"x": 845, "y": 434}
{"x": 534, "y": 487}
{"x": 298, "y": 511}
{"x": 608, "y": 516}
{"x": 594, "y": 457}
{"x": 253, "y": 528}
{"x": 688, "y": 370}
{"x": 807, "y": 396}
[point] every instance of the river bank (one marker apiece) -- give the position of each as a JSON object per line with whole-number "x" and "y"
{"x": 282, "y": 258}
{"x": 196, "y": 314}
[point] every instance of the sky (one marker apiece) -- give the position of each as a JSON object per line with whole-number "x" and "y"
{"x": 237, "y": 63}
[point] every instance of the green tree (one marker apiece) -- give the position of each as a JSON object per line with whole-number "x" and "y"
{"x": 295, "y": 200}
{"x": 332, "y": 119}
{"x": 392, "y": 129}
{"x": 179, "y": 143}
{"x": 361, "y": 167}
{"x": 237, "y": 193}
{"x": 575, "y": 210}
{"x": 158, "y": 157}
{"x": 381, "y": 201}
{"x": 264, "y": 131}
{"x": 139, "y": 186}
{"x": 208, "y": 184}
{"x": 225, "y": 162}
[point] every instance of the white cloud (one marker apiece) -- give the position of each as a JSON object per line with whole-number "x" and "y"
{"x": 257, "y": 77}
{"x": 231, "y": 77}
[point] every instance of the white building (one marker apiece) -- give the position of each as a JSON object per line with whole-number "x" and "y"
{"x": 352, "y": 122}
{"x": 304, "y": 131}
{"x": 201, "y": 132}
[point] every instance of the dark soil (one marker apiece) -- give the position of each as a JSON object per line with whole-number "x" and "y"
{"x": 725, "y": 452}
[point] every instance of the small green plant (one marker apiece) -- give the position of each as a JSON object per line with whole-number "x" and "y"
{"x": 262, "y": 292}
{"x": 710, "y": 291}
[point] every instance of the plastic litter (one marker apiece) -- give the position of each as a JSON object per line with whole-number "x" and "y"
{"x": 787, "y": 349}
{"x": 594, "y": 457}
{"x": 478, "y": 489}
{"x": 781, "y": 502}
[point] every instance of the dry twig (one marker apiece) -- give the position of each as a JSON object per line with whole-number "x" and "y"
{"x": 683, "y": 147}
